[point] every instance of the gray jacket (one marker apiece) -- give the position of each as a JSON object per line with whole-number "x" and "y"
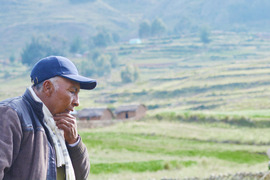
{"x": 26, "y": 151}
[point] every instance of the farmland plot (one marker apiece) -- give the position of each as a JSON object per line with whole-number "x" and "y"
{"x": 152, "y": 149}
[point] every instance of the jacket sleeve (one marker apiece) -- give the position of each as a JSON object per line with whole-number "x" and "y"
{"x": 10, "y": 138}
{"x": 80, "y": 160}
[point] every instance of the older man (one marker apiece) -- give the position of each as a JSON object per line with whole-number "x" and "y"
{"x": 39, "y": 138}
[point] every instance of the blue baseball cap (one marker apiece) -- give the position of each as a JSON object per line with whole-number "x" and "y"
{"x": 52, "y": 66}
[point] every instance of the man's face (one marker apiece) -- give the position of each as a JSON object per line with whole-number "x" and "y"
{"x": 65, "y": 96}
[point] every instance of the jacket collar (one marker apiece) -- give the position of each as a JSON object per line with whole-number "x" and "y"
{"x": 37, "y": 106}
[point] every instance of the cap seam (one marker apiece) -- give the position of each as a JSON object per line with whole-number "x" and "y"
{"x": 60, "y": 65}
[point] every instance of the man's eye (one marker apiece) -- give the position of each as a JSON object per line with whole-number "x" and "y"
{"x": 72, "y": 92}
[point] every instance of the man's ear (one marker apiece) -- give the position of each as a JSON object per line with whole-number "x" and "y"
{"x": 48, "y": 88}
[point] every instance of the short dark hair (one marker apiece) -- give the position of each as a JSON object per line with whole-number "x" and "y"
{"x": 38, "y": 86}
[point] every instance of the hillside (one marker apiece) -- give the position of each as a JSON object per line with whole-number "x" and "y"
{"x": 20, "y": 20}
{"x": 227, "y": 77}
{"x": 180, "y": 73}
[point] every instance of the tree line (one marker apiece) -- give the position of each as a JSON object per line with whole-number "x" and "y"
{"x": 96, "y": 63}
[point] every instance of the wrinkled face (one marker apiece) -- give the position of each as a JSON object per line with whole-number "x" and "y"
{"x": 64, "y": 96}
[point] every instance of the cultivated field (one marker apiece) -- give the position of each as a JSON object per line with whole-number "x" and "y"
{"x": 152, "y": 149}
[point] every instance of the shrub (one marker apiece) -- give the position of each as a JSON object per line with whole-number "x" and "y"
{"x": 39, "y": 48}
{"x": 129, "y": 74}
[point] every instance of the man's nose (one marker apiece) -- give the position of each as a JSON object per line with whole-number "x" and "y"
{"x": 76, "y": 101}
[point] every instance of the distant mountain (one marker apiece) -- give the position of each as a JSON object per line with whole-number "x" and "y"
{"x": 22, "y": 19}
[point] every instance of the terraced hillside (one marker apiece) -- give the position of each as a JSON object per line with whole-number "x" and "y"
{"x": 178, "y": 74}
{"x": 231, "y": 74}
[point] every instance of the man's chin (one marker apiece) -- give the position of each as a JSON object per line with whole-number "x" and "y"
{"x": 63, "y": 112}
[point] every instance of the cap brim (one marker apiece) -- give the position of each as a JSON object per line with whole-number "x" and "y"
{"x": 85, "y": 83}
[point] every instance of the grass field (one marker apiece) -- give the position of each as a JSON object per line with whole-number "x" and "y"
{"x": 152, "y": 149}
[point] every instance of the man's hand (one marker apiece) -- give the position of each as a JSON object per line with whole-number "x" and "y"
{"x": 67, "y": 123}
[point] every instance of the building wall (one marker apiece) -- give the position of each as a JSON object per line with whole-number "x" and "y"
{"x": 126, "y": 115}
{"x": 139, "y": 113}
{"x": 121, "y": 115}
{"x": 107, "y": 115}
{"x": 88, "y": 118}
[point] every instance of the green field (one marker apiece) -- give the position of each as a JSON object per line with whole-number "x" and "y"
{"x": 152, "y": 149}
